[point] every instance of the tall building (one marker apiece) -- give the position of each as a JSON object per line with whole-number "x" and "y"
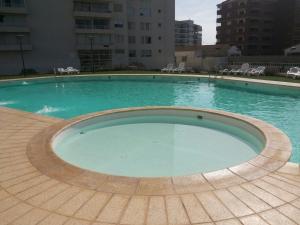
{"x": 187, "y": 33}
{"x": 259, "y": 27}
{"x": 85, "y": 33}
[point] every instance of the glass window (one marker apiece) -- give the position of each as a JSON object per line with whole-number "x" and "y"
{"x": 132, "y": 53}
{"x": 146, "y": 53}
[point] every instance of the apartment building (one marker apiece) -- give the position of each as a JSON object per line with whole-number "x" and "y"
{"x": 187, "y": 33}
{"x": 86, "y": 34}
{"x": 259, "y": 27}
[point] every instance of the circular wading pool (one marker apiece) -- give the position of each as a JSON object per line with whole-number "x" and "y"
{"x": 158, "y": 142}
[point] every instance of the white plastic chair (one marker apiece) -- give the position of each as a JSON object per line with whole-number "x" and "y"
{"x": 243, "y": 70}
{"x": 180, "y": 68}
{"x": 169, "y": 68}
{"x": 62, "y": 71}
{"x": 294, "y": 72}
{"x": 71, "y": 70}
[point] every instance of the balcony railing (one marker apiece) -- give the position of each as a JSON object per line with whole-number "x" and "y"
{"x": 92, "y": 7}
{"x": 12, "y": 3}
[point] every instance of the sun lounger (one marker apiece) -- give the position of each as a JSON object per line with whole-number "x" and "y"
{"x": 180, "y": 69}
{"x": 294, "y": 72}
{"x": 169, "y": 68}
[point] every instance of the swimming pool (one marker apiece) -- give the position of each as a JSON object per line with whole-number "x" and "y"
{"x": 158, "y": 142}
{"x": 69, "y": 97}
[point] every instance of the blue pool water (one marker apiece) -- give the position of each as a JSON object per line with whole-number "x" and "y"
{"x": 143, "y": 145}
{"x": 66, "y": 98}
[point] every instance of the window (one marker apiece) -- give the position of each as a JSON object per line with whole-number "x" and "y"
{"x": 119, "y": 51}
{"x": 146, "y": 40}
{"x": 119, "y": 24}
{"x": 131, "y": 25}
{"x": 145, "y": 11}
{"x": 146, "y": 26}
{"x": 159, "y": 25}
{"x": 1, "y": 18}
{"x": 159, "y": 51}
{"x": 159, "y": 11}
{"x": 132, "y": 53}
{"x": 131, "y": 39}
{"x": 159, "y": 38}
{"x": 146, "y": 53}
{"x": 131, "y": 11}
{"x": 119, "y": 38}
{"x": 118, "y": 8}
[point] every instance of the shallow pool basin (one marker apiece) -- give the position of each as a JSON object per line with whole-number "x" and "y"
{"x": 158, "y": 142}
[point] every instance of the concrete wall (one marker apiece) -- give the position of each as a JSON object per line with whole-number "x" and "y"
{"x": 53, "y": 37}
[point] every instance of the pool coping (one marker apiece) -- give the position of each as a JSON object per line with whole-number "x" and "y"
{"x": 212, "y": 76}
{"x": 275, "y": 155}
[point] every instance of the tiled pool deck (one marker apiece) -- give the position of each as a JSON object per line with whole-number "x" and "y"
{"x": 30, "y": 196}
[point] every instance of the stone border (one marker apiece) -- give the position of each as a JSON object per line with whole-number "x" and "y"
{"x": 213, "y": 76}
{"x": 275, "y": 154}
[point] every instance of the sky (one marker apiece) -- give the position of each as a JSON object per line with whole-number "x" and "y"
{"x": 203, "y": 12}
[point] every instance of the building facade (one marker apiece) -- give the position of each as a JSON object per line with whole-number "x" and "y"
{"x": 259, "y": 27}
{"x": 187, "y": 33}
{"x": 86, "y": 34}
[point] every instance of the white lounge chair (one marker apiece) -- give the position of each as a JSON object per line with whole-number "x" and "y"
{"x": 294, "y": 72}
{"x": 224, "y": 71}
{"x": 257, "y": 71}
{"x": 71, "y": 70}
{"x": 180, "y": 68}
{"x": 169, "y": 68}
{"x": 243, "y": 70}
{"x": 62, "y": 71}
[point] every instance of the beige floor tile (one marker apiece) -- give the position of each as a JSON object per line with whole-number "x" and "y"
{"x": 27, "y": 184}
{"x": 3, "y": 194}
{"x": 8, "y": 203}
{"x": 157, "y": 211}
{"x": 278, "y": 192}
{"x": 37, "y": 189}
{"x": 273, "y": 217}
{"x": 175, "y": 211}
{"x": 216, "y": 210}
{"x": 237, "y": 207}
{"x": 155, "y": 187}
{"x": 114, "y": 209}
{"x": 291, "y": 212}
{"x": 249, "y": 171}
{"x": 249, "y": 199}
{"x": 31, "y": 218}
{"x": 223, "y": 178}
{"x": 48, "y": 194}
{"x": 15, "y": 174}
{"x": 54, "y": 219}
{"x": 14, "y": 213}
{"x": 91, "y": 209}
{"x": 296, "y": 203}
{"x": 294, "y": 180}
{"x": 191, "y": 184}
{"x": 265, "y": 196}
{"x": 135, "y": 212}
{"x": 253, "y": 220}
{"x": 77, "y": 222}
{"x": 283, "y": 185}
{"x": 194, "y": 209}
{"x": 18, "y": 180}
{"x": 72, "y": 205}
{"x": 60, "y": 199}
{"x": 229, "y": 222}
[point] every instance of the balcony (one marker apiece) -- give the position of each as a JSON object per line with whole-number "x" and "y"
{"x": 15, "y": 47}
{"x": 92, "y": 9}
{"x": 11, "y": 28}
{"x": 13, "y": 6}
